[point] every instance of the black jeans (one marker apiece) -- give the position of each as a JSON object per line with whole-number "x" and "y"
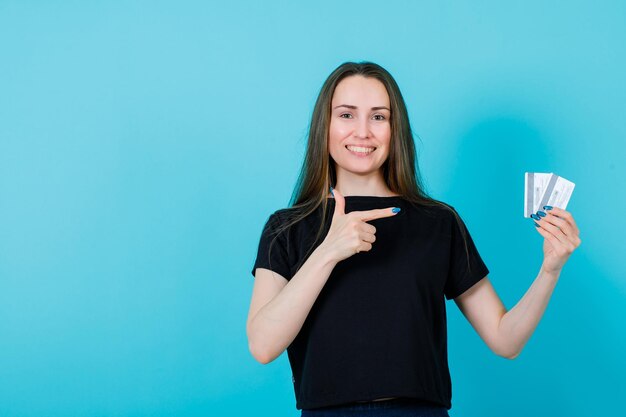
{"x": 399, "y": 407}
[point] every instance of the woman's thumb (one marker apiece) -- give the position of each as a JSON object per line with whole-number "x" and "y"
{"x": 340, "y": 202}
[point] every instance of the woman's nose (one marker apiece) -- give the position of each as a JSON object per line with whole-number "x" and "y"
{"x": 362, "y": 128}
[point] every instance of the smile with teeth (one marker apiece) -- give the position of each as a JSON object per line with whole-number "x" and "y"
{"x": 360, "y": 150}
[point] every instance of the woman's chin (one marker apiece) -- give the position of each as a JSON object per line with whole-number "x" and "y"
{"x": 359, "y": 169}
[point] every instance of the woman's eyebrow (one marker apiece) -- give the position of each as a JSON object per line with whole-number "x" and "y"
{"x": 354, "y": 107}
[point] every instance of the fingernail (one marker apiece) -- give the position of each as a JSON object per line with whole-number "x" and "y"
{"x": 547, "y": 207}
{"x": 331, "y": 191}
{"x": 534, "y": 216}
{"x": 395, "y": 209}
{"x": 541, "y": 213}
{"x": 536, "y": 225}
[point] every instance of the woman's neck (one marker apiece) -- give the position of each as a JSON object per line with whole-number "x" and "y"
{"x": 350, "y": 184}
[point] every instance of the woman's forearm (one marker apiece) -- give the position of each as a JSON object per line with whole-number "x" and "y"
{"x": 278, "y": 323}
{"x": 519, "y": 323}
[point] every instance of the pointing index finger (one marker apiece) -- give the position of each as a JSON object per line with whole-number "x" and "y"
{"x": 377, "y": 213}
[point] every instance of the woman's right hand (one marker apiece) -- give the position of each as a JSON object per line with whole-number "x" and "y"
{"x": 349, "y": 233}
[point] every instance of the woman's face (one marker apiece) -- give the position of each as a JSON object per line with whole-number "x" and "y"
{"x": 360, "y": 118}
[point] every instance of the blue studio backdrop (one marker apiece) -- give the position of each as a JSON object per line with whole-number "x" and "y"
{"x": 144, "y": 144}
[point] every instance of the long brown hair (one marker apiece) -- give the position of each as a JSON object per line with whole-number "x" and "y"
{"x": 400, "y": 171}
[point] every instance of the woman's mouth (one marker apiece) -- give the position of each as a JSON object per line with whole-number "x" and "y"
{"x": 360, "y": 150}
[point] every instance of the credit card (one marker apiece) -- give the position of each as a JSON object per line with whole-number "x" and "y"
{"x": 545, "y": 189}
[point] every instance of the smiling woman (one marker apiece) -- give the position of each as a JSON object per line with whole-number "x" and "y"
{"x": 353, "y": 283}
{"x": 363, "y": 130}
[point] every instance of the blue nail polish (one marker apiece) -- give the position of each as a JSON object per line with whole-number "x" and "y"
{"x": 547, "y": 207}
{"x": 541, "y": 213}
{"x": 331, "y": 191}
{"x": 395, "y": 209}
{"x": 534, "y": 216}
{"x": 536, "y": 225}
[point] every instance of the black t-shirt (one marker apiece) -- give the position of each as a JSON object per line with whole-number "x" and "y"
{"x": 378, "y": 327}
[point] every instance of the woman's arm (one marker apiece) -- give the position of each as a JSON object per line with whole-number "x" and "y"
{"x": 504, "y": 332}
{"x": 279, "y": 307}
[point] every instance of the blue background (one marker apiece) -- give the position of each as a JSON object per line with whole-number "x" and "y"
{"x": 144, "y": 144}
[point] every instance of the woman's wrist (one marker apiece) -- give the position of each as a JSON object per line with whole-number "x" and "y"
{"x": 326, "y": 254}
{"x": 551, "y": 274}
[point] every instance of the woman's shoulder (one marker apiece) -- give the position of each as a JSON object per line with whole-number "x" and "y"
{"x": 287, "y": 216}
{"x": 284, "y": 213}
{"x": 434, "y": 208}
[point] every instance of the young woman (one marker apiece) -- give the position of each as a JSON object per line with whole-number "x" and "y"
{"x": 352, "y": 280}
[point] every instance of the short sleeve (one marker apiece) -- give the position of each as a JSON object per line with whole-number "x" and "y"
{"x": 462, "y": 274}
{"x": 276, "y": 259}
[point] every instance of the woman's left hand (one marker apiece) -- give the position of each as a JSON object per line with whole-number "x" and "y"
{"x": 560, "y": 233}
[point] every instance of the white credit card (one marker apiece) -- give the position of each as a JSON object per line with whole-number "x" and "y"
{"x": 545, "y": 189}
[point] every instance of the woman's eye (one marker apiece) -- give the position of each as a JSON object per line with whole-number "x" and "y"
{"x": 349, "y": 116}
